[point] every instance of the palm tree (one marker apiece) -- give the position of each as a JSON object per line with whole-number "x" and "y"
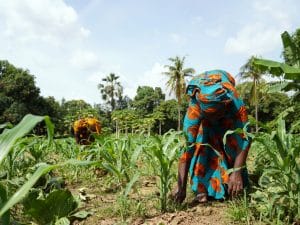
{"x": 252, "y": 72}
{"x": 176, "y": 81}
{"x": 111, "y": 89}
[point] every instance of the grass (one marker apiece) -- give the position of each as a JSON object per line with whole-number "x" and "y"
{"x": 239, "y": 211}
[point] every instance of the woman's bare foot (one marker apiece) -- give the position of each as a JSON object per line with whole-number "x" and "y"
{"x": 201, "y": 198}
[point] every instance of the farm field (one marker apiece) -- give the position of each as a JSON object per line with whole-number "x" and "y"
{"x": 121, "y": 181}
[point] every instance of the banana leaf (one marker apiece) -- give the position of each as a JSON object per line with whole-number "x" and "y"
{"x": 278, "y": 69}
{"x": 290, "y": 48}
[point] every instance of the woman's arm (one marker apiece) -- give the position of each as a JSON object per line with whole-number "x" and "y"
{"x": 180, "y": 192}
{"x": 190, "y": 128}
{"x": 235, "y": 184}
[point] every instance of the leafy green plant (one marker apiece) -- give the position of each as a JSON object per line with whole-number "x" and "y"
{"x": 119, "y": 157}
{"x": 10, "y": 136}
{"x": 8, "y": 139}
{"x": 42, "y": 169}
{"x": 56, "y": 205}
{"x": 278, "y": 194}
{"x": 26, "y": 153}
{"x": 163, "y": 152}
{"x": 239, "y": 210}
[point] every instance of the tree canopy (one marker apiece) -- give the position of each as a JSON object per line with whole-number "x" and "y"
{"x": 19, "y": 95}
{"x": 147, "y": 99}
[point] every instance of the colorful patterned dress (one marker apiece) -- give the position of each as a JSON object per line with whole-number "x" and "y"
{"x": 214, "y": 108}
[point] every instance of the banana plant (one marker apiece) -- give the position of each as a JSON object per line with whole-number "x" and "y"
{"x": 290, "y": 69}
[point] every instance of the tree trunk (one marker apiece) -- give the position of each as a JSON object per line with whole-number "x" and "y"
{"x": 256, "y": 106}
{"x": 159, "y": 128}
{"x": 179, "y": 118}
{"x": 256, "y": 118}
{"x": 116, "y": 129}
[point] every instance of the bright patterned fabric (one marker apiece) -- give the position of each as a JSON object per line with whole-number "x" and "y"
{"x": 214, "y": 108}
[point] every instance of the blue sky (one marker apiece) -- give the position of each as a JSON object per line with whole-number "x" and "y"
{"x": 70, "y": 45}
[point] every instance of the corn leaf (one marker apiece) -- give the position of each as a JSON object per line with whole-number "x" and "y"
{"x": 129, "y": 186}
{"x": 10, "y": 136}
{"x": 3, "y": 198}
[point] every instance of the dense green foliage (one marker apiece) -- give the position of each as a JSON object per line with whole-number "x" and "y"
{"x": 291, "y": 51}
{"x": 147, "y": 99}
{"x": 19, "y": 95}
{"x": 278, "y": 193}
{"x": 269, "y": 105}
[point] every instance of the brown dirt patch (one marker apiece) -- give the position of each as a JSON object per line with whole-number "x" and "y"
{"x": 208, "y": 214}
{"x": 102, "y": 207}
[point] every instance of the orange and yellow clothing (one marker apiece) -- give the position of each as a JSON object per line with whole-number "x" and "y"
{"x": 84, "y": 128}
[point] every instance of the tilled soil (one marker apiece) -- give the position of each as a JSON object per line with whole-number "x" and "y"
{"x": 211, "y": 213}
{"x": 201, "y": 214}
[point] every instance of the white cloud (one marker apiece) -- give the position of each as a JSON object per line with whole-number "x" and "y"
{"x": 49, "y": 21}
{"x": 262, "y": 34}
{"x": 47, "y": 38}
{"x": 178, "y": 39}
{"x": 254, "y": 39}
{"x": 154, "y": 76}
{"x": 84, "y": 59}
{"x": 95, "y": 78}
{"x": 273, "y": 9}
{"x": 214, "y": 32}
{"x": 50, "y": 38}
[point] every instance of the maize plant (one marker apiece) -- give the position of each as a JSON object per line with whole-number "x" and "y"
{"x": 119, "y": 157}
{"x": 163, "y": 152}
{"x": 278, "y": 194}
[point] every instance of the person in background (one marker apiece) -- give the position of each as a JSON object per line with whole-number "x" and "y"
{"x": 84, "y": 129}
{"x": 214, "y": 108}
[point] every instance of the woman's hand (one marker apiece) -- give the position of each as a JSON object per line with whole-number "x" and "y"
{"x": 179, "y": 195}
{"x": 180, "y": 192}
{"x": 235, "y": 184}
